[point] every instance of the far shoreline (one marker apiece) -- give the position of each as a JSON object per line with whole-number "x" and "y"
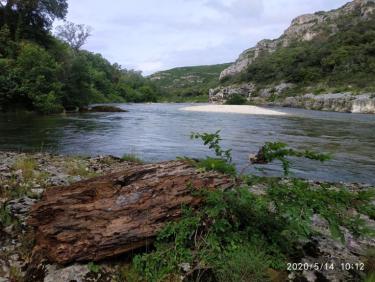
{"x": 235, "y": 109}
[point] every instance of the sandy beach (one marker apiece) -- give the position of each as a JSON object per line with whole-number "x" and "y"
{"x": 248, "y": 110}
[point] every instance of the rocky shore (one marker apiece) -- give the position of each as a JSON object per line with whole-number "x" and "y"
{"x": 275, "y": 95}
{"x": 25, "y": 177}
{"x": 339, "y": 102}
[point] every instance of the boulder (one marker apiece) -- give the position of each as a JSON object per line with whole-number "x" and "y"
{"x": 110, "y": 215}
{"x": 20, "y": 208}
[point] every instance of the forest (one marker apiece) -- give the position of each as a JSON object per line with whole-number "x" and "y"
{"x": 48, "y": 72}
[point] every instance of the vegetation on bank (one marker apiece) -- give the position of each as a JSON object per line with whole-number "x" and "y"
{"x": 132, "y": 158}
{"x": 340, "y": 62}
{"x": 188, "y": 84}
{"x": 242, "y": 235}
{"x": 43, "y": 73}
{"x": 248, "y": 233}
{"x": 236, "y": 100}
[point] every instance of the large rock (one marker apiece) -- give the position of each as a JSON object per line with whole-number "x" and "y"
{"x": 303, "y": 28}
{"x": 222, "y": 94}
{"x": 339, "y": 102}
{"x": 20, "y": 208}
{"x": 71, "y": 273}
{"x": 114, "y": 214}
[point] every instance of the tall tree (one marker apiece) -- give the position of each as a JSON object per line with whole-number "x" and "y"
{"x": 74, "y": 34}
{"x": 31, "y": 19}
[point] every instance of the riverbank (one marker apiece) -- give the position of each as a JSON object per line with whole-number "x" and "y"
{"x": 346, "y": 102}
{"x": 233, "y": 109}
{"x": 25, "y": 177}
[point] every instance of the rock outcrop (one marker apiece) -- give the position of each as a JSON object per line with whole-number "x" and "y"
{"x": 222, "y": 94}
{"x": 303, "y": 28}
{"x": 339, "y": 102}
{"x": 117, "y": 213}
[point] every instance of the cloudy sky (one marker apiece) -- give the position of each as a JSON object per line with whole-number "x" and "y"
{"x": 153, "y": 35}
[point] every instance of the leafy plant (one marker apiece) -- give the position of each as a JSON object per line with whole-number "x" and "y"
{"x": 93, "y": 267}
{"x": 247, "y": 263}
{"x": 223, "y": 161}
{"x": 213, "y": 142}
{"x": 280, "y": 151}
{"x": 5, "y": 216}
{"x": 237, "y": 235}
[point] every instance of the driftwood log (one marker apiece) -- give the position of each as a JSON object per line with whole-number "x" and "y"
{"x": 114, "y": 214}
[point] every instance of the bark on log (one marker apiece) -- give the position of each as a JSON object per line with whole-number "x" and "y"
{"x": 114, "y": 214}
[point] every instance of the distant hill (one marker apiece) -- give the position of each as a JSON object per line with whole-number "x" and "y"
{"x": 188, "y": 83}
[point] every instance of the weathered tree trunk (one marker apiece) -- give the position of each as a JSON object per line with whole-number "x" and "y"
{"x": 114, "y": 214}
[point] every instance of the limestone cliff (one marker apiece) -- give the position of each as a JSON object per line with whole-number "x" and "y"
{"x": 338, "y": 102}
{"x": 303, "y": 28}
{"x": 330, "y": 53}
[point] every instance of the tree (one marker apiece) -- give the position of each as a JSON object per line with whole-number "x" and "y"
{"x": 74, "y": 34}
{"x": 31, "y": 19}
{"x": 77, "y": 88}
{"x": 37, "y": 79}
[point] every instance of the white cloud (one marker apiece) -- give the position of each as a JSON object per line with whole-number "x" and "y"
{"x": 153, "y": 35}
{"x": 150, "y": 67}
{"x": 238, "y": 8}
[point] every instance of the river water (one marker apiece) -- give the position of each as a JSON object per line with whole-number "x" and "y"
{"x": 157, "y": 132}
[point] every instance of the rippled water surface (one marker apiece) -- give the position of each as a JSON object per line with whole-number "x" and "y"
{"x": 158, "y": 132}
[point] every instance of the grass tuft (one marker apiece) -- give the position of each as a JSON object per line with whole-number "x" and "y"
{"x": 27, "y": 165}
{"x": 133, "y": 158}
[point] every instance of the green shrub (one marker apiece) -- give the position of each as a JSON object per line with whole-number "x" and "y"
{"x": 94, "y": 268}
{"x": 223, "y": 161}
{"x": 244, "y": 264}
{"x": 5, "y": 216}
{"x": 280, "y": 151}
{"x": 236, "y": 100}
{"x": 237, "y": 235}
{"x": 240, "y": 235}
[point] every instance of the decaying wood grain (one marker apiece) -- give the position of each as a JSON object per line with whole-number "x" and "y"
{"x": 114, "y": 214}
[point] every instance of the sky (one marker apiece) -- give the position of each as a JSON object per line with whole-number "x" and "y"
{"x": 154, "y": 35}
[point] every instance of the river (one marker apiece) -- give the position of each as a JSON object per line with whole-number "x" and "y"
{"x": 157, "y": 132}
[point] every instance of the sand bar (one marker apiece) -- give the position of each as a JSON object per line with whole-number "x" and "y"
{"x": 248, "y": 110}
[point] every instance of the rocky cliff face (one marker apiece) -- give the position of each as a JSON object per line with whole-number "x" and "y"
{"x": 222, "y": 94}
{"x": 248, "y": 90}
{"x": 303, "y": 28}
{"x": 339, "y": 102}
{"x": 311, "y": 27}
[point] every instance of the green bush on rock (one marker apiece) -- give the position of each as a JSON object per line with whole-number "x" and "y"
{"x": 236, "y": 100}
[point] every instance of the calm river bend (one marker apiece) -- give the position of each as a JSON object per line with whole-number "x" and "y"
{"x": 157, "y": 132}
